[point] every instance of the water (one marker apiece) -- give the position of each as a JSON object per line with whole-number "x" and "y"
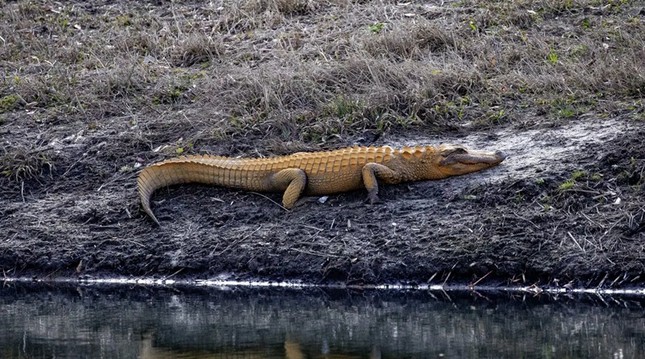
{"x": 143, "y": 322}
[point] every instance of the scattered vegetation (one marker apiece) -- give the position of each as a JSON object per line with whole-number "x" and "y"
{"x": 20, "y": 164}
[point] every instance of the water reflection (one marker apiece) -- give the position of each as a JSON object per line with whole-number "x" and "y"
{"x": 89, "y": 322}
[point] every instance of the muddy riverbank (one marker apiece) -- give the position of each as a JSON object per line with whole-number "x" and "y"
{"x": 517, "y": 223}
{"x": 89, "y": 97}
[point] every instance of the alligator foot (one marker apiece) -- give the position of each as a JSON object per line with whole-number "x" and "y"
{"x": 305, "y": 200}
{"x": 372, "y": 198}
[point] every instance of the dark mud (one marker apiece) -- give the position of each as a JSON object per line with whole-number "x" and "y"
{"x": 565, "y": 208}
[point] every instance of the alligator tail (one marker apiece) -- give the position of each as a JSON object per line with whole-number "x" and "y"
{"x": 158, "y": 176}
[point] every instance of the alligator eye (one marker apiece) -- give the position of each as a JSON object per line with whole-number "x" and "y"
{"x": 454, "y": 151}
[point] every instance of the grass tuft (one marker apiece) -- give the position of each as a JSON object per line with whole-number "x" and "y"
{"x": 20, "y": 164}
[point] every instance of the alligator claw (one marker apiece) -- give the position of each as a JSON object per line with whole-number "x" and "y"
{"x": 372, "y": 198}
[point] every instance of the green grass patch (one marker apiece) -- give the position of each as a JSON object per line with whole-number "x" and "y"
{"x": 552, "y": 57}
{"x": 576, "y": 175}
{"x": 571, "y": 182}
{"x": 566, "y": 185}
{"x": 9, "y": 102}
{"x": 376, "y": 27}
{"x": 344, "y": 107}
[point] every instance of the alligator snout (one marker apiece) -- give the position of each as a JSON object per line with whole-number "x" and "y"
{"x": 500, "y": 155}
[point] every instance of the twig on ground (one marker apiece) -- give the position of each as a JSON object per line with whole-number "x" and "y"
{"x": 315, "y": 253}
{"x": 575, "y": 241}
{"x": 268, "y": 198}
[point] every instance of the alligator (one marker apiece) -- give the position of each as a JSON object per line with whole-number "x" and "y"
{"x": 316, "y": 173}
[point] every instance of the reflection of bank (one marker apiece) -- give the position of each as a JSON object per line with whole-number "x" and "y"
{"x": 213, "y": 323}
{"x": 291, "y": 350}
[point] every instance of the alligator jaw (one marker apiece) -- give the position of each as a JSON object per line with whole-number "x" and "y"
{"x": 475, "y": 157}
{"x": 457, "y": 160}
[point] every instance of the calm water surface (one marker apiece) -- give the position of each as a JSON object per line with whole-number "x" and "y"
{"x": 135, "y": 322}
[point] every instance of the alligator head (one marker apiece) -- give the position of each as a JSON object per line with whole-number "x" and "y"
{"x": 454, "y": 160}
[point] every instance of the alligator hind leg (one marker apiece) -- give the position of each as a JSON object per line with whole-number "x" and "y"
{"x": 293, "y": 181}
{"x": 371, "y": 172}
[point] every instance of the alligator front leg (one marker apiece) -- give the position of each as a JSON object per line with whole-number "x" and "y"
{"x": 371, "y": 172}
{"x": 293, "y": 181}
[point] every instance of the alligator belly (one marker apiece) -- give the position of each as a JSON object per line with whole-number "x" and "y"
{"x": 333, "y": 183}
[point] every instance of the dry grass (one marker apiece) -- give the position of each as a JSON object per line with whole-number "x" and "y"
{"x": 20, "y": 164}
{"x": 320, "y": 72}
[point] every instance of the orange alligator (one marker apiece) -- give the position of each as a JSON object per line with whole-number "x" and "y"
{"x": 316, "y": 173}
